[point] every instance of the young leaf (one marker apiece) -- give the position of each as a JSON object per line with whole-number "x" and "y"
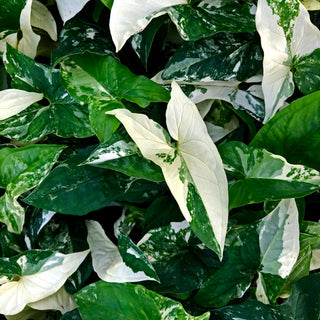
{"x": 102, "y": 300}
{"x": 193, "y": 169}
{"x": 13, "y": 101}
{"x": 21, "y": 170}
{"x": 130, "y": 17}
{"x": 286, "y": 33}
{"x": 279, "y": 239}
{"x": 37, "y": 280}
{"x": 107, "y": 261}
{"x": 264, "y": 176}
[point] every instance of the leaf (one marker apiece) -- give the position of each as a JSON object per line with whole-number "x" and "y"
{"x": 287, "y": 132}
{"x": 296, "y": 37}
{"x": 107, "y": 261}
{"x": 102, "y": 84}
{"x": 199, "y": 186}
{"x": 136, "y": 303}
{"x": 302, "y": 304}
{"x": 264, "y": 176}
{"x": 37, "y": 280}
{"x": 10, "y": 16}
{"x": 279, "y": 239}
{"x": 311, "y": 4}
{"x": 208, "y": 18}
{"x": 13, "y": 101}
{"x": 121, "y": 154}
{"x": 68, "y": 10}
{"x": 28, "y": 313}
{"x": 21, "y": 170}
{"x": 130, "y": 17}
{"x": 61, "y": 114}
{"x": 223, "y": 57}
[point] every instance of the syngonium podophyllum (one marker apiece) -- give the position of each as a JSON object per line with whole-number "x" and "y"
{"x": 191, "y": 166}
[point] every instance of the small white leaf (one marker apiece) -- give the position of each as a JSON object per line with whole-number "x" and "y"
{"x": 132, "y": 16}
{"x": 68, "y": 9}
{"x": 42, "y": 18}
{"x": 29, "y": 42}
{"x": 279, "y": 239}
{"x": 15, "y": 295}
{"x": 13, "y": 101}
{"x": 106, "y": 259}
{"x": 11, "y": 39}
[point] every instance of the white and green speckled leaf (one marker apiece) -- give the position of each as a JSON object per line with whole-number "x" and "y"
{"x": 21, "y": 170}
{"x": 38, "y": 281}
{"x": 106, "y": 258}
{"x": 132, "y": 16}
{"x": 279, "y": 239}
{"x": 286, "y": 33}
{"x": 192, "y": 168}
{"x": 12, "y": 101}
{"x": 69, "y": 9}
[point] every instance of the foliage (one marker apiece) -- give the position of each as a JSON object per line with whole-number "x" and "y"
{"x": 159, "y": 159}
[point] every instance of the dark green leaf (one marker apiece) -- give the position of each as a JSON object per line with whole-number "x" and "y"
{"x": 10, "y": 15}
{"x": 288, "y": 131}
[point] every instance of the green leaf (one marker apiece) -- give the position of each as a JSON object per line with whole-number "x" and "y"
{"x": 191, "y": 169}
{"x": 136, "y": 303}
{"x": 209, "y": 18}
{"x": 102, "y": 82}
{"x": 287, "y": 132}
{"x": 107, "y": 3}
{"x": 286, "y": 34}
{"x": 60, "y": 114}
{"x": 234, "y": 277}
{"x": 10, "y": 16}
{"x": 77, "y": 37}
{"x": 279, "y": 239}
{"x": 21, "y": 170}
{"x": 121, "y": 154}
{"x": 224, "y": 57}
{"x": 264, "y": 176}
{"x": 302, "y": 304}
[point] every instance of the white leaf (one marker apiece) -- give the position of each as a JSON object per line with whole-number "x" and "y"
{"x": 280, "y": 45}
{"x": 315, "y": 260}
{"x": 68, "y": 9}
{"x": 15, "y": 295}
{"x": 311, "y": 4}
{"x": 129, "y": 17}
{"x": 60, "y": 300}
{"x": 193, "y": 170}
{"x": 29, "y": 42}
{"x": 13, "y": 101}
{"x": 11, "y": 39}
{"x": 42, "y": 18}
{"x": 27, "y": 314}
{"x": 106, "y": 259}
{"x": 279, "y": 239}
{"x": 260, "y": 291}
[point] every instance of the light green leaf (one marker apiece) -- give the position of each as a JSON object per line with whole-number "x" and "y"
{"x": 193, "y": 169}
{"x": 120, "y": 301}
{"x": 106, "y": 259}
{"x": 21, "y": 170}
{"x": 311, "y": 4}
{"x": 264, "y": 176}
{"x": 286, "y": 33}
{"x": 69, "y": 9}
{"x": 279, "y": 239}
{"x": 130, "y": 17}
{"x": 37, "y": 281}
{"x": 13, "y": 101}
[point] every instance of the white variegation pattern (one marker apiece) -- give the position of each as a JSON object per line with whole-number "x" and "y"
{"x": 260, "y": 291}
{"x": 13, "y": 101}
{"x": 193, "y": 162}
{"x": 15, "y": 295}
{"x": 68, "y": 9}
{"x": 279, "y": 239}
{"x": 129, "y": 17}
{"x": 280, "y": 47}
{"x": 106, "y": 259}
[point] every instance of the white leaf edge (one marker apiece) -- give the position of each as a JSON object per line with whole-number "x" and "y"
{"x": 27, "y": 313}
{"x": 42, "y": 18}
{"x": 13, "y": 101}
{"x": 68, "y": 9}
{"x": 15, "y": 295}
{"x": 11, "y": 39}
{"x": 207, "y": 174}
{"x": 106, "y": 259}
{"x": 287, "y": 215}
{"x": 260, "y": 292}
{"x": 315, "y": 260}
{"x": 277, "y": 83}
{"x": 129, "y": 17}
